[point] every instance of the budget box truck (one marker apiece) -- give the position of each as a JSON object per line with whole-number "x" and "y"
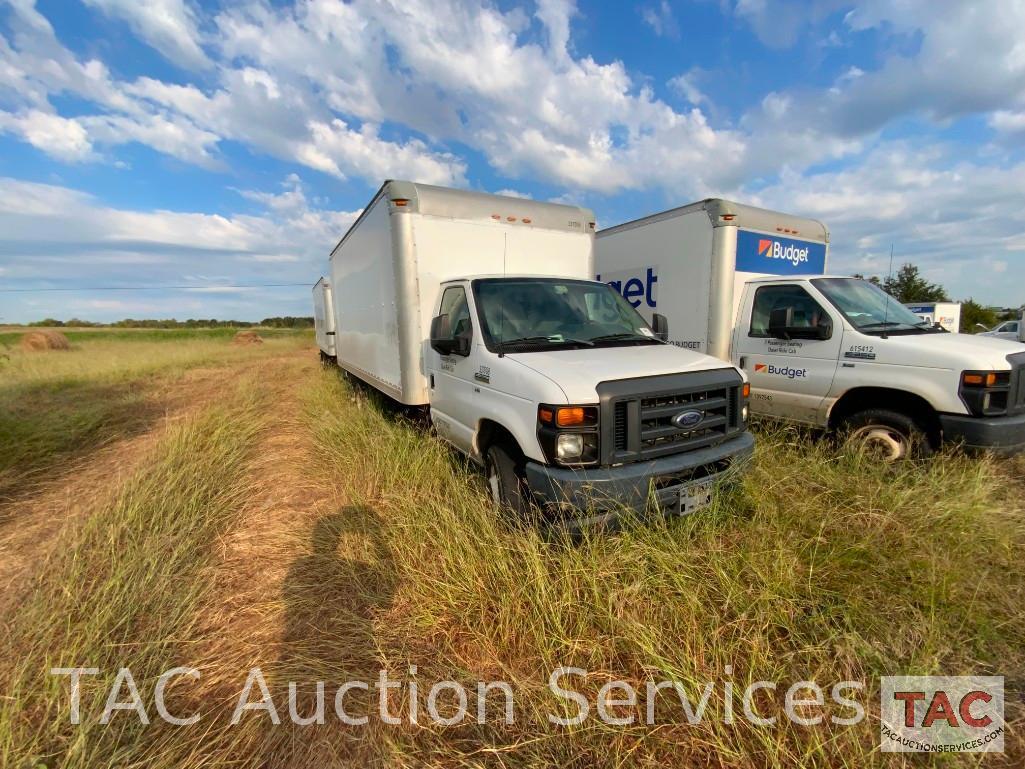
{"x": 749, "y": 285}
{"x": 324, "y": 320}
{"x": 946, "y": 315}
{"x": 484, "y": 309}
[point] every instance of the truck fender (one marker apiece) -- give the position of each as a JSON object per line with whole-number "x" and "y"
{"x": 490, "y": 432}
{"x": 859, "y": 399}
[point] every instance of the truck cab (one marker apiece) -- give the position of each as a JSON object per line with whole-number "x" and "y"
{"x": 567, "y": 397}
{"x": 838, "y": 351}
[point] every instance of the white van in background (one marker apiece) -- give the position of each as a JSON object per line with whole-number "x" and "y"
{"x": 1011, "y": 330}
{"x": 484, "y": 309}
{"x": 749, "y": 286}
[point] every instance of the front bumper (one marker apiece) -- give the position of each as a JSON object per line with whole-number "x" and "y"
{"x": 603, "y": 493}
{"x": 1001, "y": 435}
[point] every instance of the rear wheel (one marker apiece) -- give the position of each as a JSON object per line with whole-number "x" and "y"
{"x": 889, "y": 436}
{"x": 508, "y": 487}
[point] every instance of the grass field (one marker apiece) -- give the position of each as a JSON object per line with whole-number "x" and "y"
{"x": 169, "y": 500}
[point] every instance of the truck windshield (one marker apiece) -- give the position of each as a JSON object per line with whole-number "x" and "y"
{"x": 870, "y": 309}
{"x": 527, "y": 314}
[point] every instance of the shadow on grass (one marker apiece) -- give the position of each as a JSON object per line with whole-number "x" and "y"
{"x": 332, "y": 596}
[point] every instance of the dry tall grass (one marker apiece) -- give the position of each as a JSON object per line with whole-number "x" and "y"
{"x": 121, "y": 591}
{"x": 368, "y": 546}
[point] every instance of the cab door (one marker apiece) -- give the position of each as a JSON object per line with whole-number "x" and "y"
{"x": 452, "y": 377}
{"x": 791, "y": 369}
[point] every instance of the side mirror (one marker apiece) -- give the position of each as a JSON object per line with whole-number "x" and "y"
{"x": 781, "y": 326}
{"x": 660, "y": 327}
{"x": 461, "y": 342}
{"x": 441, "y": 335}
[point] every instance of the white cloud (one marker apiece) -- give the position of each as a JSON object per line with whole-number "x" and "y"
{"x": 954, "y": 218}
{"x": 62, "y": 138}
{"x": 373, "y": 89}
{"x": 661, "y": 20}
{"x": 686, "y": 85}
{"x": 779, "y": 22}
{"x": 50, "y": 232}
{"x": 170, "y": 26}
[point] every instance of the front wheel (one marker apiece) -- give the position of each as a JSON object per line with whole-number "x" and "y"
{"x": 505, "y": 479}
{"x": 889, "y": 436}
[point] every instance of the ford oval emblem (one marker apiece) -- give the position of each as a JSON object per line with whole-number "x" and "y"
{"x": 687, "y": 420}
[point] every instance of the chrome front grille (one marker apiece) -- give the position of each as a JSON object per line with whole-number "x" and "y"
{"x": 640, "y": 413}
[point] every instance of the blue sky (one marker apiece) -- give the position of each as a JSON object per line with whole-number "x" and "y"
{"x": 180, "y": 143}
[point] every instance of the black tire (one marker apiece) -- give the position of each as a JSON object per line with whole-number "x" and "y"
{"x": 890, "y": 435}
{"x": 503, "y": 470}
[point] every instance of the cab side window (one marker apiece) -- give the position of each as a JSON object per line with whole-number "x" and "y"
{"x": 807, "y": 312}
{"x": 454, "y": 304}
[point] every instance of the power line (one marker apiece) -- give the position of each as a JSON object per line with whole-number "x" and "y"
{"x": 153, "y": 288}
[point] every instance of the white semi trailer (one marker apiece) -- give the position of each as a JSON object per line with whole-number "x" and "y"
{"x": 484, "y": 309}
{"x": 749, "y": 286}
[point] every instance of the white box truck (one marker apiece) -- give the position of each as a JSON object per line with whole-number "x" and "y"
{"x": 946, "y": 315}
{"x": 749, "y": 286}
{"x": 484, "y": 309}
{"x": 324, "y": 320}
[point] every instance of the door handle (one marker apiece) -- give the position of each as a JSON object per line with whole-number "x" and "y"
{"x": 742, "y": 363}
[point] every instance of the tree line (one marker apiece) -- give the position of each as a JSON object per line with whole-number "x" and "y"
{"x": 286, "y": 321}
{"x": 908, "y": 286}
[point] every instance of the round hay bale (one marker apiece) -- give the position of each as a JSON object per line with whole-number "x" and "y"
{"x": 246, "y": 337}
{"x": 43, "y": 340}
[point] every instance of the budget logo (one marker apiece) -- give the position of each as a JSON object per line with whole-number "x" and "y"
{"x": 942, "y": 714}
{"x": 786, "y": 371}
{"x": 765, "y": 248}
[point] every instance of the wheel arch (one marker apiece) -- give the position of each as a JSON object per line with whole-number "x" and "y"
{"x": 488, "y": 433}
{"x": 859, "y": 399}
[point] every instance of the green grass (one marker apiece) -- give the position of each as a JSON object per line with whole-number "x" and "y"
{"x": 122, "y": 590}
{"x": 821, "y": 566}
{"x": 55, "y": 405}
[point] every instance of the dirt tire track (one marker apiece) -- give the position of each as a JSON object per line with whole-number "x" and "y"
{"x": 32, "y": 523}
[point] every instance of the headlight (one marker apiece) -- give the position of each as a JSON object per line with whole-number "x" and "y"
{"x": 744, "y": 412}
{"x": 569, "y": 446}
{"x": 985, "y": 393}
{"x": 575, "y": 446}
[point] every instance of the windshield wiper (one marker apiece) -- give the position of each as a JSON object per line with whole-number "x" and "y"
{"x": 884, "y": 324}
{"x": 542, "y": 340}
{"x": 623, "y": 336}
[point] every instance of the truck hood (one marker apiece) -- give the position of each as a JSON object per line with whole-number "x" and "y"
{"x": 950, "y": 351}
{"x": 578, "y": 372}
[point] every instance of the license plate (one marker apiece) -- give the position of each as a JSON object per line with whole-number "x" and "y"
{"x": 694, "y": 498}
